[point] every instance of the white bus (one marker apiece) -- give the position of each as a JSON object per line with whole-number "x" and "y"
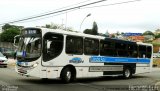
{"x": 51, "y": 53}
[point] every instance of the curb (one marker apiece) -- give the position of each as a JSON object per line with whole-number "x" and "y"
{"x": 158, "y": 83}
{"x": 155, "y": 69}
{"x": 11, "y": 62}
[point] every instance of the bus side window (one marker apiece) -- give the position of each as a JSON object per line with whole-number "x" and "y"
{"x": 132, "y": 50}
{"x": 149, "y": 51}
{"x": 74, "y": 45}
{"x": 107, "y": 48}
{"x": 121, "y": 49}
{"x": 142, "y": 51}
{"x": 91, "y": 46}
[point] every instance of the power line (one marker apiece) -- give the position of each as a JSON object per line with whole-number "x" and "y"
{"x": 118, "y": 3}
{"x": 44, "y": 17}
{"x": 85, "y": 8}
{"x": 39, "y": 18}
{"x": 63, "y": 10}
{"x": 60, "y": 8}
{"x": 68, "y": 10}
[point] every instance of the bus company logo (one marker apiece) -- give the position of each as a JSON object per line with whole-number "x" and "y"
{"x": 97, "y": 59}
{"x": 76, "y": 60}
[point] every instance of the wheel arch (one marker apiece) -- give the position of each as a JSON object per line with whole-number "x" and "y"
{"x": 72, "y": 68}
{"x": 132, "y": 67}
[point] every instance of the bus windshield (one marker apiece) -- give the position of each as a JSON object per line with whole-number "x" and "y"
{"x": 29, "y": 47}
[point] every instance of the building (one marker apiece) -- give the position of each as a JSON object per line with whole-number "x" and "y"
{"x": 137, "y": 38}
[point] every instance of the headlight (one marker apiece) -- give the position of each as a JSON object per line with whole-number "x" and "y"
{"x": 35, "y": 65}
{"x": 5, "y": 61}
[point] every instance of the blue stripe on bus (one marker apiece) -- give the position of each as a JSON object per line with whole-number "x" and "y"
{"x": 119, "y": 60}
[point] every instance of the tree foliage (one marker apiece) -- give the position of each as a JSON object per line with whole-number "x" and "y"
{"x": 93, "y": 31}
{"x": 9, "y": 31}
{"x": 148, "y": 33}
{"x": 58, "y": 26}
{"x": 95, "y": 28}
{"x": 157, "y": 36}
{"x": 87, "y": 31}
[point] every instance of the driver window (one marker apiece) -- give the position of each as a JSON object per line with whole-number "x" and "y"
{"x": 52, "y": 46}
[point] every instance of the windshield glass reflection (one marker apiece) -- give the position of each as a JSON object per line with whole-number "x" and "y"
{"x": 31, "y": 46}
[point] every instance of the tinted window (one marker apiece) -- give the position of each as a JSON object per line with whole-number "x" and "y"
{"x": 132, "y": 50}
{"x": 149, "y": 51}
{"x": 142, "y": 51}
{"x": 107, "y": 48}
{"x": 121, "y": 50}
{"x": 91, "y": 46}
{"x": 74, "y": 45}
{"x": 52, "y": 46}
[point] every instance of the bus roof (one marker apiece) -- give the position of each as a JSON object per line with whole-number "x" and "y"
{"x": 45, "y": 30}
{"x": 71, "y": 33}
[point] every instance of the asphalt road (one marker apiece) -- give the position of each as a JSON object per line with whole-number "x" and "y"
{"x": 11, "y": 81}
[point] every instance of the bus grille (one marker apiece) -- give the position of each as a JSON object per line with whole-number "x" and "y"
{"x": 22, "y": 71}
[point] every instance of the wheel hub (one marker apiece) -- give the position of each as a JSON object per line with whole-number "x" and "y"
{"x": 127, "y": 73}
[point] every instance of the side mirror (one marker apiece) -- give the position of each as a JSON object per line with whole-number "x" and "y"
{"x": 15, "y": 40}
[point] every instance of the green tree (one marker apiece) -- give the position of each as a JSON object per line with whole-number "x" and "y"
{"x": 48, "y": 26}
{"x": 157, "y": 36}
{"x": 148, "y": 33}
{"x": 87, "y": 31}
{"x": 157, "y": 33}
{"x": 93, "y": 31}
{"x": 95, "y": 28}
{"x": 9, "y": 31}
{"x": 112, "y": 36}
{"x": 57, "y": 26}
{"x": 6, "y": 26}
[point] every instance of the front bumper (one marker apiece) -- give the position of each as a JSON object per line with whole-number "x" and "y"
{"x": 3, "y": 64}
{"x": 22, "y": 70}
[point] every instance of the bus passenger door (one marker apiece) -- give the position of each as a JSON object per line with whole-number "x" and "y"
{"x": 52, "y": 48}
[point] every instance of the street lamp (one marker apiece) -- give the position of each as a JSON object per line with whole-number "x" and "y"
{"x": 83, "y": 20}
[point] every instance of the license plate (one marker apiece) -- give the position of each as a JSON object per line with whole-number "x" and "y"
{"x": 22, "y": 63}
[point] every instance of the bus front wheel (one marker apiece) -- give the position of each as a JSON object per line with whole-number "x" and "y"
{"x": 66, "y": 75}
{"x": 127, "y": 73}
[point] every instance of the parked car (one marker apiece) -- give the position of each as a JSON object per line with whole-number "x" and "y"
{"x": 156, "y": 55}
{"x": 3, "y": 60}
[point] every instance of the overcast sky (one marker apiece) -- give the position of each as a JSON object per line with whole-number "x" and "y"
{"x": 136, "y": 16}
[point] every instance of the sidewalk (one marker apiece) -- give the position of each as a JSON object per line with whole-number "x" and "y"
{"x": 155, "y": 69}
{"x": 11, "y": 62}
{"x": 157, "y": 84}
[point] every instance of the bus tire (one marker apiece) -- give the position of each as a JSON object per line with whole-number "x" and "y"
{"x": 127, "y": 73}
{"x": 66, "y": 75}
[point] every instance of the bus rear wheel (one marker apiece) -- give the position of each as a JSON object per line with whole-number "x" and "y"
{"x": 66, "y": 75}
{"x": 127, "y": 73}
